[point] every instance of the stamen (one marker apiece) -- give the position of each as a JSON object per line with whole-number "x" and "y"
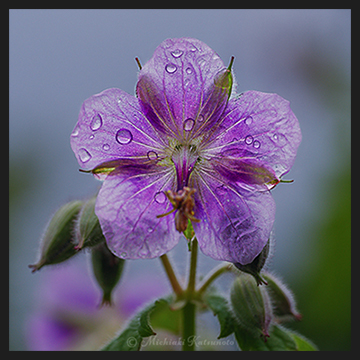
{"x": 183, "y": 204}
{"x": 138, "y": 63}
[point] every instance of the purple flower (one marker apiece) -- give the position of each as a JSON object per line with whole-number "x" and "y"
{"x": 182, "y": 147}
{"x": 67, "y": 315}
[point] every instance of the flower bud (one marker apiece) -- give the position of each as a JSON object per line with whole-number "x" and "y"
{"x": 107, "y": 269}
{"x": 87, "y": 229}
{"x": 256, "y": 265}
{"x": 282, "y": 299}
{"x": 251, "y": 305}
{"x": 57, "y": 245}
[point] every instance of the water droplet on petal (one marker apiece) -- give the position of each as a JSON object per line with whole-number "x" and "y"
{"x": 221, "y": 190}
{"x": 75, "y": 132}
{"x": 170, "y": 68}
{"x": 248, "y": 120}
{"x": 192, "y": 48}
{"x": 201, "y": 62}
{"x": 249, "y": 139}
{"x": 106, "y": 147}
{"x": 189, "y": 124}
{"x": 177, "y": 53}
{"x": 84, "y": 155}
{"x": 91, "y": 137}
{"x": 275, "y": 137}
{"x": 123, "y": 255}
{"x": 152, "y": 155}
{"x": 124, "y": 136}
{"x": 256, "y": 144}
{"x": 201, "y": 118}
{"x": 160, "y": 197}
{"x": 96, "y": 122}
{"x": 189, "y": 70}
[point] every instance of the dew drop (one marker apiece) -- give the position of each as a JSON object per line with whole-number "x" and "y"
{"x": 91, "y": 137}
{"x": 124, "y": 136}
{"x": 177, "y": 53}
{"x": 275, "y": 137}
{"x": 123, "y": 255}
{"x": 256, "y": 144}
{"x": 170, "y": 68}
{"x": 249, "y": 139}
{"x": 75, "y": 132}
{"x": 96, "y": 122}
{"x": 248, "y": 120}
{"x": 106, "y": 147}
{"x": 188, "y": 70}
{"x": 221, "y": 190}
{"x": 201, "y": 118}
{"x": 189, "y": 124}
{"x": 152, "y": 155}
{"x": 160, "y": 197}
{"x": 192, "y": 48}
{"x": 201, "y": 62}
{"x": 84, "y": 155}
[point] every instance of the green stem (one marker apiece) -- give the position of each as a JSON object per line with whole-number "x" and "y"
{"x": 190, "y": 308}
{"x": 192, "y": 271}
{"x": 212, "y": 275}
{"x": 171, "y": 275}
{"x": 188, "y": 327}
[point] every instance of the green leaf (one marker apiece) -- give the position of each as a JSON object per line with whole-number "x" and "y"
{"x": 279, "y": 340}
{"x": 220, "y": 307}
{"x": 302, "y": 343}
{"x": 166, "y": 318}
{"x": 139, "y": 327}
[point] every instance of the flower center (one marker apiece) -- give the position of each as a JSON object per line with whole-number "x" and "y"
{"x": 183, "y": 204}
{"x": 184, "y": 158}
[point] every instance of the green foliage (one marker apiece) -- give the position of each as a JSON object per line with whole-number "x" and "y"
{"x": 220, "y": 307}
{"x": 159, "y": 314}
{"x": 280, "y": 339}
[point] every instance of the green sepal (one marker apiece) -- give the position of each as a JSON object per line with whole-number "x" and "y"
{"x": 107, "y": 269}
{"x": 251, "y": 305}
{"x": 57, "y": 243}
{"x": 87, "y": 229}
{"x": 256, "y": 265}
{"x": 282, "y": 299}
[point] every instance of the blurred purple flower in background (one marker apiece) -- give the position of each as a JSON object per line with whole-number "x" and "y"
{"x": 67, "y": 315}
{"x": 183, "y": 138}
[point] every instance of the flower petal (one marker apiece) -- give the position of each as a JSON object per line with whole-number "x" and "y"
{"x": 247, "y": 171}
{"x": 235, "y": 223}
{"x": 258, "y": 125}
{"x": 177, "y": 83}
{"x": 111, "y": 126}
{"x": 127, "y": 206}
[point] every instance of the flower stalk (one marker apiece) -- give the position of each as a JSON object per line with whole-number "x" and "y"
{"x": 189, "y": 310}
{"x": 171, "y": 275}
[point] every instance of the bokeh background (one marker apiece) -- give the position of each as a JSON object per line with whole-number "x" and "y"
{"x": 58, "y": 58}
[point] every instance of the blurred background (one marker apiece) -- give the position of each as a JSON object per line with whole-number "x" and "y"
{"x": 58, "y": 58}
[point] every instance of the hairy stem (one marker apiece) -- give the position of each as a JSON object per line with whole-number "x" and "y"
{"x": 171, "y": 275}
{"x": 212, "y": 275}
{"x": 189, "y": 310}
